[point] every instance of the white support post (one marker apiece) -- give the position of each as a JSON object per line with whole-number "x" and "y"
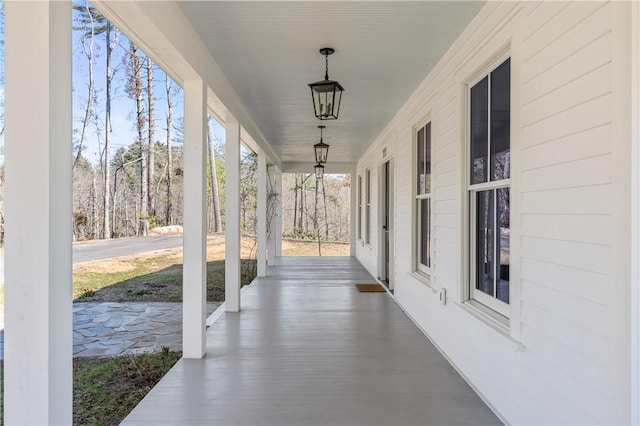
{"x": 278, "y": 218}
{"x": 38, "y": 258}
{"x": 635, "y": 210}
{"x": 232, "y": 216}
{"x": 352, "y": 212}
{"x": 262, "y": 215}
{"x": 194, "y": 288}
{"x": 271, "y": 250}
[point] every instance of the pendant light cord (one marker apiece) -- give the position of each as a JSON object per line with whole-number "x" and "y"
{"x": 326, "y": 69}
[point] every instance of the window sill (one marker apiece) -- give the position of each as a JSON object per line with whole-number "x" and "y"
{"x": 494, "y": 320}
{"x": 423, "y": 278}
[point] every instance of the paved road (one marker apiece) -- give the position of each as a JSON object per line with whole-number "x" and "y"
{"x": 104, "y": 249}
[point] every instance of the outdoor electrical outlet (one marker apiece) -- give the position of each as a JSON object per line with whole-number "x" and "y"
{"x": 443, "y": 296}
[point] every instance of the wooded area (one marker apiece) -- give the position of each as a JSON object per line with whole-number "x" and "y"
{"x": 128, "y": 151}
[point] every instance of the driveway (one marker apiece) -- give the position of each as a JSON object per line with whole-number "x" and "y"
{"x": 88, "y": 251}
{"x": 105, "y": 249}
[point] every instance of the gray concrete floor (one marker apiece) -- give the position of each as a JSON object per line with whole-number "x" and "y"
{"x": 308, "y": 349}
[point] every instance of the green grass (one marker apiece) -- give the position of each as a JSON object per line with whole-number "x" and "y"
{"x": 105, "y": 390}
{"x": 146, "y": 284}
{"x": 157, "y": 277}
{"x": 154, "y": 277}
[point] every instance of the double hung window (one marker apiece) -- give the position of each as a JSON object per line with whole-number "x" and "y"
{"x": 423, "y": 252}
{"x": 359, "y": 188}
{"x": 367, "y": 219}
{"x": 488, "y": 188}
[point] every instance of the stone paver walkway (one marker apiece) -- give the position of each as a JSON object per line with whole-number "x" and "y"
{"x": 110, "y": 329}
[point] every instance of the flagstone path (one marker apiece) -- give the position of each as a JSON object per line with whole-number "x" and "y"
{"x": 111, "y": 329}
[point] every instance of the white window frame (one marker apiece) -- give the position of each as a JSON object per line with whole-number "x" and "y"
{"x": 418, "y": 266}
{"x": 367, "y": 218}
{"x": 359, "y": 217}
{"x": 474, "y": 295}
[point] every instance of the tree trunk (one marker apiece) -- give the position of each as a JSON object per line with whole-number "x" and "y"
{"x": 295, "y": 202}
{"x": 315, "y": 219}
{"x": 144, "y": 183}
{"x": 115, "y": 203}
{"x": 88, "y": 50}
{"x": 214, "y": 182}
{"x": 151, "y": 189}
{"x": 94, "y": 207}
{"x": 326, "y": 216}
{"x": 169, "y": 216}
{"x": 110, "y": 45}
{"x": 301, "y": 211}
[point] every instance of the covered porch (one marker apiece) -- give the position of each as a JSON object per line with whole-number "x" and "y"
{"x": 559, "y": 223}
{"x": 309, "y": 349}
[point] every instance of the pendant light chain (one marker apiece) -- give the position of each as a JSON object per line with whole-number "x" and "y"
{"x": 326, "y": 67}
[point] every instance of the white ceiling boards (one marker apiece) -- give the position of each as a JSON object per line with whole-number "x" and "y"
{"x": 268, "y": 51}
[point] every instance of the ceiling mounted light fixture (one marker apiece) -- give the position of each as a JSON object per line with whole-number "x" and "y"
{"x": 326, "y": 93}
{"x": 321, "y": 149}
{"x": 319, "y": 169}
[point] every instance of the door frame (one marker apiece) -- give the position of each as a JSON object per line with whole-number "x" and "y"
{"x": 382, "y": 193}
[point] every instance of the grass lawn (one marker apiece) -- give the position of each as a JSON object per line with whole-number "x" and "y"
{"x": 310, "y": 248}
{"x": 157, "y": 276}
{"x": 105, "y": 390}
{"x": 153, "y": 277}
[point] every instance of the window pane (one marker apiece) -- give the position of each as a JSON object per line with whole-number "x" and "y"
{"x": 360, "y": 207}
{"x": 479, "y": 131}
{"x": 503, "y": 244}
{"x": 427, "y": 162}
{"x": 420, "y": 161}
{"x": 425, "y": 232}
{"x": 367, "y": 230}
{"x": 484, "y": 249}
{"x": 500, "y": 121}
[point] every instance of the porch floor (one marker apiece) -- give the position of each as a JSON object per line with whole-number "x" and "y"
{"x": 308, "y": 349}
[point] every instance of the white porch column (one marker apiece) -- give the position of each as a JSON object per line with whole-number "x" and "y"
{"x": 278, "y": 218}
{"x": 275, "y": 217}
{"x": 352, "y": 211}
{"x": 232, "y": 217}
{"x": 194, "y": 287}
{"x": 38, "y": 257}
{"x": 262, "y": 215}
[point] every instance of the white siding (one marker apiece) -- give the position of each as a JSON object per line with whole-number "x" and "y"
{"x": 564, "y": 361}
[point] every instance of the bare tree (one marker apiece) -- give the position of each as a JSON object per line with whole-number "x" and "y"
{"x": 326, "y": 216}
{"x": 135, "y": 91}
{"x": 214, "y": 181}
{"x": 295, "y": 202}
{"x": 315, "y": 219}
{"x": 169, "y": 215}
{"x": 87, "y": 21}
{"x": 110, "y": 45}
{"x": 151, "y": 191}
{"x": 94, "y": 206}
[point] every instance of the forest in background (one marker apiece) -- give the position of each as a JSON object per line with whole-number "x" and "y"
{"x": 127, "y": 186}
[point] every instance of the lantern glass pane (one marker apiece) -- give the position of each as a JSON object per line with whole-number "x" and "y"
{"x": 321, "y": 153}
{"x": 338, "y": 99}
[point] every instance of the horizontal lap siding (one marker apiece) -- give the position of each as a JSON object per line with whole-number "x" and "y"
{"x": 564, "y": 177}
{"x": 566, "y": 139}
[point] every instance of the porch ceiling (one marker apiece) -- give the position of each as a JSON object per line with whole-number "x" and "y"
{"x": 269, "y": 53}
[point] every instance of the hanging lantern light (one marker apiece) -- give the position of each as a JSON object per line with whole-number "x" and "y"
{"x": 319, "y": 169}
{"x": 321, "y": 149}
{"x": 326, "y": 93}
